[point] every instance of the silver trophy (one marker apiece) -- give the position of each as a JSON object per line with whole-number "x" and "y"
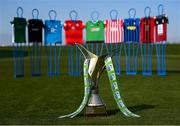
{"x": 95, "y": 105}
{"x": 93, "y": 68}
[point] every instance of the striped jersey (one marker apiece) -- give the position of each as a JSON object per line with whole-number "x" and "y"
{"x": 114, "y": 31}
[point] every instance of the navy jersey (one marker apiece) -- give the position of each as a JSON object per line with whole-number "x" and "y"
{"x": 35, "y": 29}
{"x": 132, "y": 30}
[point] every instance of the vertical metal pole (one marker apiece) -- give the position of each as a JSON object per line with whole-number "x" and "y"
{"x": 149, "y": 56}
{"x": 92, "y": 47}
{"x": 50, "y": 59}
{"x": 69, "y": 60}
{"x": 97, "y": 49}
{"x": 158, "y": 57}
{"x": 55, "y": 61}
{"x": 107, "y": 48}
{"x": 117, "y": 61}
{"x": 14, "y": 58}
{"x": 77, "y": 62}
{"x": 144, "y": 58}
{"x": 164, "y": 57}
{"x": 59, "y": 60}
{"x": 101, "y": 50}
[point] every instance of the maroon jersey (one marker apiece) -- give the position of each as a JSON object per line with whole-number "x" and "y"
{"x": 147, "y": 30}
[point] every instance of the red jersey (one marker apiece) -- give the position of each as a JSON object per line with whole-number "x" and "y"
{"x": 161, "y": 28}
{"x": 73, "y": 31}
{"x": 114, "y": 31}
{"x": 147, "y": 30}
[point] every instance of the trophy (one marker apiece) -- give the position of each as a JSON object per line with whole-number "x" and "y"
{"x": 93, "y": 68}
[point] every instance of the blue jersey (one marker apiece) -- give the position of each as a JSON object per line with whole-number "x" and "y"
{"x": 132, "y": 30}
{"x": 53, "y": 32}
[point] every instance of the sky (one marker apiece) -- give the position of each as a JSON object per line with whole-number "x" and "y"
{"x": 84, "y": 8}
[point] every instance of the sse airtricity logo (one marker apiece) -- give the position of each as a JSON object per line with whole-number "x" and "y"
{"x": 112, "y": 77}
{"x": 114, "y": 86}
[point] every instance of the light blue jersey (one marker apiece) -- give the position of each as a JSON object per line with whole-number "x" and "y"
{"x": 53, "y": 32}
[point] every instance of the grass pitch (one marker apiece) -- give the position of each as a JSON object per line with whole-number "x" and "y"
{"x": 40, "y": 100}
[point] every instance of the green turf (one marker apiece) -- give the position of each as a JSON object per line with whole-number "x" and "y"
{"x": 41, "y": 100}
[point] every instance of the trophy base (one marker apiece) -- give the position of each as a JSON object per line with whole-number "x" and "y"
{"x": 95, "y": 111}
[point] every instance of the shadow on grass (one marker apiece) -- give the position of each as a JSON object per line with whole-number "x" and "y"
{"x": 141, "y": 107}
{"x": 173, "y": 71}
{"x": 135, "y": 108}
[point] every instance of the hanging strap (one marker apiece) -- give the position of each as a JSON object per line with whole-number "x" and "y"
{"x": 19, "y": 12}
{"x": 160, "y": 9}
{"x": 147, "y": 12}
{"x": 75, "y": 15}
{"x": 87, "y": 87}
{"x": 115, "y": 14}
{"x": 115, "y": 89}
{"x": 50, "y": 14}
{"x": 95, "y": 16}
{"x": 35, "y": 12}
{"x": 134, "y": 12}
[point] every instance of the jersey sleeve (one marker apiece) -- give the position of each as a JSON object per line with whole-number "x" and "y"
{"x": 105, "y": 23}
{"x": 87, "y": 24}
{"x": 167, "y": 19}
{"x": 65, "y": 25}
{"x": 83, "y": 25}
{"x": 122, "y": 23}
{"x": 42, "y": 24}
{"x": 102, "y": 24}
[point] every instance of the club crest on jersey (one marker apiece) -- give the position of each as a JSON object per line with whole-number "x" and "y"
{"x": 77, "y": 25}
{"x": 131, "y": 27}
{"x": 147, "y": 27}
{"x": 73, "y": 28}
{"x": 95, "y": 29}
{"x": 52, "y": 30}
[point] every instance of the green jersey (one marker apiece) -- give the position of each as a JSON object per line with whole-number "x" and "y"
{"x": 19, "y": 28}
{"x": 95, "y": 31}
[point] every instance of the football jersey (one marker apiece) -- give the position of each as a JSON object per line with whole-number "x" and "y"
{"x": 161, "y": 28}
{"x": 35, "y": 27}
{"x": 147, "y": 30}
{"x": 95, "y": 31}
{"x": 114, "y": 31}
{"x": 73, "y": 31}
{"x": 19, "y": 30}
{"x": 131, "y": 30}
{"x": 53, "y": 32}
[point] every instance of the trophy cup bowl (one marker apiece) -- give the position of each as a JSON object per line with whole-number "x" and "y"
{"x": 95, "y": 105}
